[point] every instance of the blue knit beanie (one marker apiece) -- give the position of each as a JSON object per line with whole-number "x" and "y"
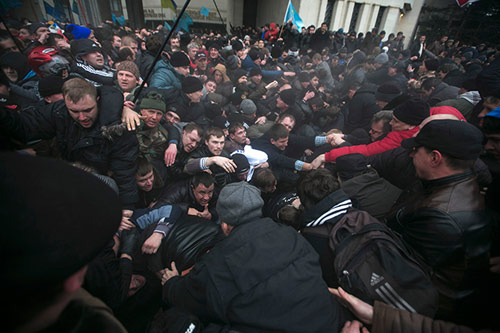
{"x": 78, "y": 31}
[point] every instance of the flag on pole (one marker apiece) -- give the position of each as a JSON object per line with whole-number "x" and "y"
{"x": 170, "y": 4}
{"x": 204, "y": 11}
{"x": 462, "y": 3}
{"x": 166, "y": 26}
{"x": 185, "y": 22}
{"x": 291, "y": 13}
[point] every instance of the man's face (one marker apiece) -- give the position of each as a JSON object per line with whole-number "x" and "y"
{"x": 421, "y": 161}
{"x": 215, "y": 144}
{"x": 41, "y": 31}
{"x": 239, "y": 136}
{"x": 202, "y": 63}
{"x": 280, "y": 104}
{"x": 196, "y": 96}
{"x": 493, "y": 145}
{"x": 172, "y": 117}
{"x": 117, "y": 41}
{"x": 84, "y": 112}
{"x": 376, "y": 130}
{"x": 398, "y": 125}
{"x": 214, "y": 53}
{"x": 210, "y": 86}
{"x": 311, "y": 30}
{"x": 191, "y": 140}
{"x": 203, "y": 194}
{"x": 94, "y": 59}
{"x": 444, "y": 39}
{"x": 62, "y": 44}
{"x": 288, "y": 123}
{"x": 422, "y": 39}
{"x": 184, "y": 70}
{"x": 10, "y": 72}
{"x": 145, "y": 183}
{"x": 134, "y": 46}
{"x": 281, "y": 143}
{"x": 8, "y": 45}
{"x": 261, "y": 44}
{"x": 324, "y": 27}
{"x": 24, "y": 34}
{"x": 315, "y": 81}
{"x": 256, "y": 78}
{"x": 192, "y": 52}
{"x": 175, "y": 43}
{"x": 152, "y": 117}
{"x": 126, "y": 81}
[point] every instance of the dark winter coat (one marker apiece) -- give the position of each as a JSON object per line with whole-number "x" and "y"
{"x": 117, "y": 154}
{"x": 442, "y": 92}
{"x": 366, "y": 189}
{"x": 446, "y": 223}
{"x": 362, "y": 107}
{"x": 263, "y": 276}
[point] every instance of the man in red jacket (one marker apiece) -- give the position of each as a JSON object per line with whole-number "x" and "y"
{"x": 405, "y": 121}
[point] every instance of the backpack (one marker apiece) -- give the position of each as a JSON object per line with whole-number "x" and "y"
{"x": 373, "y": 263}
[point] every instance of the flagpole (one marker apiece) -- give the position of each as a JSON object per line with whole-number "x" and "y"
{"x": 282, "y": 25}
{"x": 220, "y": 16}
{"x": 174, "y": 26}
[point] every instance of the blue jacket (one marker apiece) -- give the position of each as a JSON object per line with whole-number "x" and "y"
{"x": 165, "y": 76}
{"x": 247, "y": 64}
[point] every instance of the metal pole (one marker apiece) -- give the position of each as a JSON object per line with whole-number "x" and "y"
{"x": 136, "y": 95}
{"x": 220, "y": 16}
{"x": 14, "y": 39}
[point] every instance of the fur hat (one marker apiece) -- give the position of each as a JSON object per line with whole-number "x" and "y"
{"x": 128, "y": 66}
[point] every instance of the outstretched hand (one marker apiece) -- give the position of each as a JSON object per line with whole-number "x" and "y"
{"x": 362, "y": 310}
{"x": 319, "y": 162}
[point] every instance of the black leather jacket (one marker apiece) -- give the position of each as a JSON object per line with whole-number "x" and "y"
{"x": 447, "y": 224}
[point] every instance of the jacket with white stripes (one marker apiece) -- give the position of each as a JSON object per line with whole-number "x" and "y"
{"x": 98, "y": 77}
{"x": 330, "y": 209}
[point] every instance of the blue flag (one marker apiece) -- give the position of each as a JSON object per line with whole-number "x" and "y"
{"x": 121, "y": 20}
{"x": 55, "y": 11}
{"x": 166, "y": 26}
{"x": 185, "y": 22}
{"x": 113, "y": 17}
{"x": 204, "y": 11}
{"x": 291, "y": 13}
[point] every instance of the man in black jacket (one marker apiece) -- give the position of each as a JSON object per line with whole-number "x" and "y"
{"x": 194, "y": 196}
{"x": 446, "y": 222}
{"x": 77, "y": 124}
{"x": 262, "y": 276}
{"x": 274, "y": 143}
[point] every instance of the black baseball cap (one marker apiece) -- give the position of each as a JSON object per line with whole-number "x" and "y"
{"x": 451, "y": 137}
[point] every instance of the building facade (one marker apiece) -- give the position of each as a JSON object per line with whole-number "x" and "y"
{"x": 350, "y": 15}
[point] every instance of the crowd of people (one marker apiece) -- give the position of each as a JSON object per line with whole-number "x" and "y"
{"x": 211, "y": 190}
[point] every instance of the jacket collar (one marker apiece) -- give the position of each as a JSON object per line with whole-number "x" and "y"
{"x": 329, "y": 210}
{"x": 429, "y": 184}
